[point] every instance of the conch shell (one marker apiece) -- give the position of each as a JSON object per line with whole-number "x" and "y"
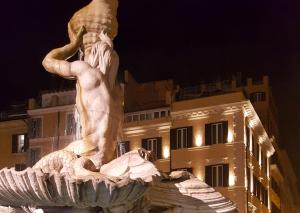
{"x": 99, "y": 15}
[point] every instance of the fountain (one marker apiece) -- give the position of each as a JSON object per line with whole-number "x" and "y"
{"x": 84, "y": 176}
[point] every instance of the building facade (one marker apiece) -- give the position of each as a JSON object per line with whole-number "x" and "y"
{"x": 225, "y": 133}
{"x": 13, "y": 137}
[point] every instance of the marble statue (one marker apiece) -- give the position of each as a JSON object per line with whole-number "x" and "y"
{"x": 99, "y": 96}
{"x": 84, "y": 176}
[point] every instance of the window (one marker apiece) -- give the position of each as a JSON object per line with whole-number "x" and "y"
{"x": 217, "y": 175}
{"x": 153, "y": 145}
{"x": 256, "y": 187}
{"x": 216, "y": 133}
{"x": 264, "y": 196}
{"x": 20, "y": 167}
{"x": 275, "y": 186}
{"x": 122, "y": 148}
{"x": 70, "y": 124}
{"x": 258, "y": 97}
{"x": 248, "y": 137}
{"x": 181, "y": 137}
{"x": 19, "y": 143}
{"x": 255, "y": 148}
{"x": 35, "y": 128}
{"x": 264, "y": 162}
{"x": 35, "y": 155}
{"x": 248, "y": 179}
{"x": 135, "y": 117}
{"x": 260, "y": 191}
{"x": 142, "y": 117}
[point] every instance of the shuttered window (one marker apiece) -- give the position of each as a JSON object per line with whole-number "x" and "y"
{"x": 216, "y": 133}
{"x": 35, "y": 155}
{"x": 255, "y": 148}
{"x": 217, "y": 175}
{"x": 181, "y": 137}
{"x": 154, "y": 145}
{"x": 248, "y": 137}
{"x": 35, "y": 128}
{"x": 20, "y": 167}
{"x": 122, "y": 148}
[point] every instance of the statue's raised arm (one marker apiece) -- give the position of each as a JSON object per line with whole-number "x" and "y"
{"x": 55, "y": 61}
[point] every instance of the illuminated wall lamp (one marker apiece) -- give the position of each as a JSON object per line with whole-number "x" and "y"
{"x": 230, "y": 137}
{"x": 198, "y": 140}
{"x": 232, "y": 180}
{"x": 166, "y": 152}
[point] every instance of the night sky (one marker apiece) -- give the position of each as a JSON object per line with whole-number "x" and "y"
{"x": 189, "y": 41}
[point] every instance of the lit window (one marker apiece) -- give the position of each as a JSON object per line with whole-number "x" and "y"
{"x": 182, "y": 138}
{"x": 153, "y": 145}
{"x": 122, "y": 148}
{"x": 19, "y": 143}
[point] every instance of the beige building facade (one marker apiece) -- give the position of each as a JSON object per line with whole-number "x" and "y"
{"x": 13, "y": 139}
{"x": 225, "y": 133}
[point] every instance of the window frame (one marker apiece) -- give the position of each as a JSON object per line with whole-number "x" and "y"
{"x": 183, "y": 140}
{"x": 30, "y": 135}
{"x": 15, "y": 143}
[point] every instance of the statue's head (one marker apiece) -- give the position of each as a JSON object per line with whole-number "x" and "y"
{"x": 95, "y": 56}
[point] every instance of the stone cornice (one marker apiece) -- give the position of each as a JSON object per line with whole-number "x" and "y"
{"x": 245, "y": 106}
{"x": 13, "y": 124}
{"x": 202, "y": 112}
{"x": 141, "y": 129}
{"x": 41, "y": 111}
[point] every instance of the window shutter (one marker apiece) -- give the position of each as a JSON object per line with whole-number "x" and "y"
{"x": 38, "y": 127}
{"x": 14, "y": 144}
{"x": 207, "y": 134}
{"x": 173, "y": 138}
{"x": 189, "y": 136}
{"x": 247, "y": 137}
{"x": 30, "y": 128}
{"x": 127, "y": 146}
{"x": 144, "y": 144}
{"x": 208, "y": 175}
{"x": 225, "y": 131}
{"x": 26, "y": 143}
{"x": 159, "y": 148}
{"x": 225, "y": 175}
